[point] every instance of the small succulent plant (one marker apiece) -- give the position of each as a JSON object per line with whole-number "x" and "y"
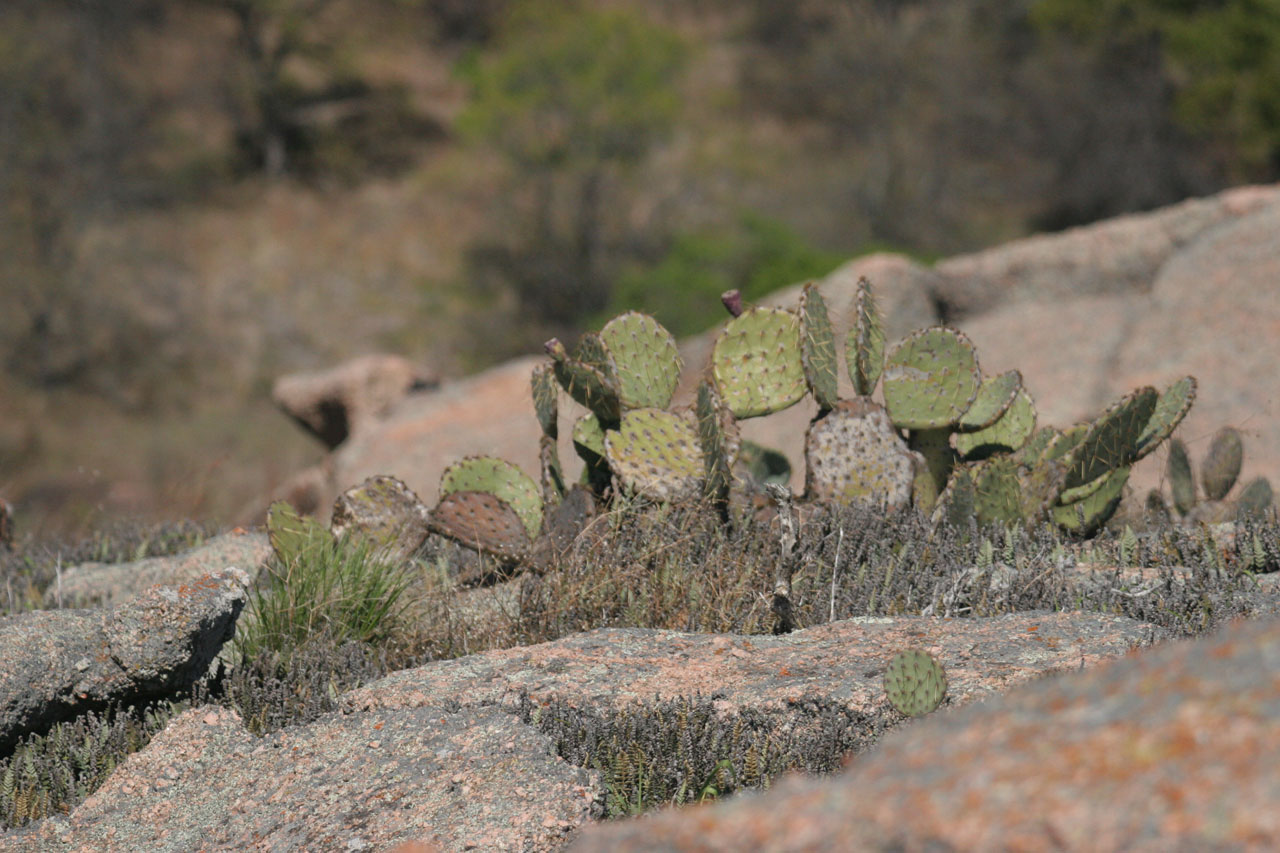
{"x": 915, "y": 682}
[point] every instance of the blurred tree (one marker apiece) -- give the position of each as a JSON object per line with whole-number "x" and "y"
{"x": 573, "y": 97}
{"x": 1221, "y": 56}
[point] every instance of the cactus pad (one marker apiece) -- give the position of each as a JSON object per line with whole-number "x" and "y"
{"x": 957, "y": 503}
{"x": 481, "y": 521}
{"x": 552, "y": 476}
{"x": 1256, "y": 498}
{"x": 718, "y": 437}
{"x": 294, "y": 537}
{"x": 655, "y": 454}
{"x": 1111, "y": 441}
{"x": 645, "y": 358}
{"x": 588, "y": 438}
{"x": 1181, "y": 480}
{"x": 818, "y": 348}
{"x": 545, "y": 397}
{"x": 1040, "y": 487}
{"x": 930, "y": 378}
{"x": 500, "y": 478}
{"x": 935, "y": 446}
{"x": 1034, "y": 448}
{"x": 1173, "y": 405}
{"x": 756, "y": 362}
{"x": 1088, "y": 514}
{"x": 853, "y": 453}
{"x": 864, "y": 345}
{"x": 915, "y": 682}
{"x": 997, "y": 491}
{"x": 995, "y": 395}
{"x": 1009, "y": 432}
{"x": 592, "y": 386}
{"x": 1221, "y": 465}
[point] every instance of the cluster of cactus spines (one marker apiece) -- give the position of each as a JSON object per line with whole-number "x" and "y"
{"x": 853, "y": 453}
{"x": 818, "y": 348}
{"x": 1219, "y": 471}
{"x": 945, "y": 439}
{"x": 915, "y": 682}
{"x": 656, "y": 454}
{"x": 864, "y": 345}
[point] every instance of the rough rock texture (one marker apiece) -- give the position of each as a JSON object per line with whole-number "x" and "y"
{"x": 58, "y": 664}
{"x": 109, "y": 584}
{"x": 386, "y": 510}
{"x": 466, "y": 779}
{"x": 1173, "y": 748}
{"x": 435, "y": 754}
{"x": 1086, "y": 315}
{"x": 841, "y": 662}
{"x": 332, "y": 404}
{"x": 1117, "y": 256}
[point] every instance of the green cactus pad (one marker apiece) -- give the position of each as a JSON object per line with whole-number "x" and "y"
{"x": 1173, "y": 405}
{"x": 1256, "y": 498}
{"x": 500, "y": 478}
{"x": 957, "y": 504}
{"x": 818, "y": 348}
{"x": 656, "y": 454}
{"x": 1040, "y": 487}
{"x": 1181, "y": 480}
{"x": 756, "y": 362}
{"x": 294, "y": 537}
{"x": 853, "y": 453}
{"x": 1087, "y": 515}
{"x": 935, "y": 446}
{"x": 1009, "y": 432}
{"x": 997, "y": 491}
{"x": 552, "y": 476}
{"x": 645, "y": 358}
{"x": 915, "y": 682}
{"x": 718, "y": 437}
{"x": 995, "y": 395}
{"x": 930, "y": 378}
{"x": 592, "y": 386}
{"x": 481, "y": 521}
{"x": 864, "y": 345}
{"x": 588, "y": 438}
{"x": 1221, "y": 465}
{"x": 924, "y": 490}
{"x": 1031, "y": 451}
{"x": 1064, "y": 443}
{"x": 1111, "y": 441}
{"x": 545, "y": 397}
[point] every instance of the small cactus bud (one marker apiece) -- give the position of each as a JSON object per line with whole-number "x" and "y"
{"x": 732, "y": 300}
{"x": 556, "y": 350}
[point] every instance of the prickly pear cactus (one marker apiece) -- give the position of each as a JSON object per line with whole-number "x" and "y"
{"x": 552, "y": 476}
{"x": 997, "y": 491}
{"x": 930, "y": 378}
{"x": 1088, "y": 513}
{"x": 718, "y": 437}
{"x": 483, "y": 522}
{"x": 294, "y": 537}
{"x": 545, "y": 398}
{"x": 756, "y": 362}
{"x": 1221, "y": 465}
{"x": 655, "y": 453}
{"x": 853, "y": 453}
{"x": 935, "y": 446}
{"x": 1181, "y": 480}
{"x": 1111, "y": 441}
{"x": 1173, "y": 405}
{"x": 915, "y": 682}
{"x": 645, "y": 358}
{"x": 818, "y": 348}
{"x": 1011, "y": 429}
{"x": 591, "y": 384}
{"x": 500, "y": 478}
{"x": 995, "y": 395}
{"x": 1256, "y": 498}
{"x": 864, "y": 345}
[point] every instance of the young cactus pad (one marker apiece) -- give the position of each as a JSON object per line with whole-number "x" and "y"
{"x": 1173, "y": 405}
{"x": 592, "y": 385}
{"x": 915, "y": 683}
{"x": 818, "y": 348}
{"x": 1009, "y": 432}
{"x": 756, "y": 362}
{"x": 655, "y": 453}
{"x": 645, "y": 357}
{"x": 500, "y": 478}
{"x": 995, "y": 395}
{"x": 864, "y": 345}
{"x": 930, "y": 378}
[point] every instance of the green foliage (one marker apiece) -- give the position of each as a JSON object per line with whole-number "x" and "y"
{"x": 1222, "y": 55}
{"x": 755, "y": 256}
{"x": 342, "y": 588}
{"x": 915, "y": 683}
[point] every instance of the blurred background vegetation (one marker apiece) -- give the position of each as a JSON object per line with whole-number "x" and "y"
{"x": 197, "y": 196}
